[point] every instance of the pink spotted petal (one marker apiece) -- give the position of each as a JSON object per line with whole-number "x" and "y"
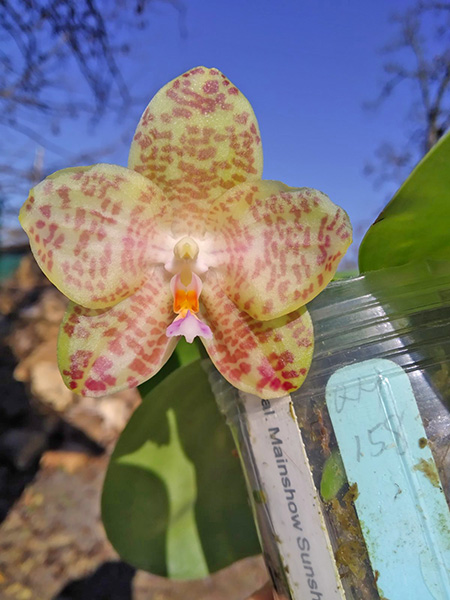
{"x": 190, "y": 327}
{"x": 277, "y": 246}
{"x": 266, "y": 358}
{"x": 95, "y": 231}
{"x": 102, "y": 351}
{"x": 197, "y": 138}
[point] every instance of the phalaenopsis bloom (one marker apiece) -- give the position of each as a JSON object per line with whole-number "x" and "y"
{"x": 186, "y": 241}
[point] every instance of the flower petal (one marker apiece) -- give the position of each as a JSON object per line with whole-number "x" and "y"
{"x": 266, "y": 358}
{"x": 94, "y": 231}
{"x": 104, "y": 351}
{"x": 198, "y": 137}
{"x": 278, "y": 246}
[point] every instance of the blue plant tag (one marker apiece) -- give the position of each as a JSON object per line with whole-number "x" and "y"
{"x": 401, "y": 506}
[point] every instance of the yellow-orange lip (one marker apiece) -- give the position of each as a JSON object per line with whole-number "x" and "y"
{"x": 185, "y": 300}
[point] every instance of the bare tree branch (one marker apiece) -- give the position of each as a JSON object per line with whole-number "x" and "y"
{"x": 42, "y": 44}
{"x": 423, "y": 46}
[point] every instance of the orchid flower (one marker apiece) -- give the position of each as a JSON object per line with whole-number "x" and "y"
{"x": 186, "y": 241}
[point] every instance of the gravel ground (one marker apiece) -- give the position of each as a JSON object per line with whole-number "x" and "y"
{"x": 53, "y": 547}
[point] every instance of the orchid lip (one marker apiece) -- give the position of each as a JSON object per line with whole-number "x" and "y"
{"x": 190, "y": 327}
{"x": 186, "y": 287}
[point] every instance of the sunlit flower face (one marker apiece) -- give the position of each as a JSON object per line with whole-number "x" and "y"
{"x": 187, "y": 241}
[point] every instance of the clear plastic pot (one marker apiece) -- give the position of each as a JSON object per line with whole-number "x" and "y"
{"x": 364, "y": 513}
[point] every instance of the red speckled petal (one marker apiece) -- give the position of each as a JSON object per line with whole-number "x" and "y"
{"x": 197, "y": 138}
{"x": 94, "y": 231}
{"x": 277, "y": 246}
{"x": 104, "y": 351}
{"x": 266, "y": 358}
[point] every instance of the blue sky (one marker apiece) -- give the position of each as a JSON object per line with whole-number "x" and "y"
{"x": 306, "y": 66}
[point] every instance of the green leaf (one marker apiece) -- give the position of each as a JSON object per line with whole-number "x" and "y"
{"x": 174, "y": 500}
{"x": 187, "y": 352}
{"x": 345, "y": 274}
{"x": 414, "y": 225}
{"x": 333, "y": 476}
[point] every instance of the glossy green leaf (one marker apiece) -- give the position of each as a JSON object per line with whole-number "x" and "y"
{"x": 174, "y": 500}
{"x": 333, "y": 476}
{"x": 414, "y": 225}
